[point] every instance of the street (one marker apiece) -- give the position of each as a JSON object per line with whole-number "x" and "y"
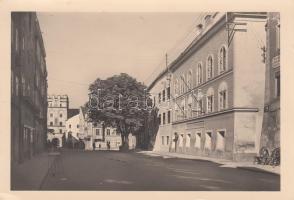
{"x": 130, "y": 171}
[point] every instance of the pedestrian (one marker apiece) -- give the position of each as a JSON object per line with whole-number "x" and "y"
{"x": 94, "y": 146}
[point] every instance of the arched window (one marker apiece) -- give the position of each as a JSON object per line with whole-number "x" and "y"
{"x": 223, "y": 59}
{"x": 209, "y": 100}
{"x": 199, "y": 73}
{"x": 209, "y": 67}
{"x": 223, "y": 96}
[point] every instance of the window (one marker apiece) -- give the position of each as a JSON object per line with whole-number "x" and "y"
{"x": 199, "y": 107}
{"x": 108, "y": 131}
{"x": 222, "y": 59}
{"x": 97, "y": 132}
{"x": 60, "y": 115}
{"x": 162, "y": 140}
{"x": 199, "y": 73}
{"x": 159, "y": 116}
{"x": 208, "y": 140}
{"x": 277, "y": 84}
{"x": 159, "y": 97}
{"x": 78, "y": 126}
{"x": 167, "y": 140}
{"x": 168, "y": 93}
{"x": 60, "y": 105}
{"x": 163, "y": 118}
{"x": 60, "y": 130}
{"x": 163, "y": 95}
{"x": 220, "y": 140}
{"x": 23, "y": 43}
{"x": 222, "y": 99}
{"x": 16, "y": 39}
{"x": 176, "y": 87}
{"x": 189, "y": 80}
{"x": 51, "y": 123}
{"x": 16, "y": 85}
{"x": 51, "y": 114}
{"x": 198, "y": 140}
{"x": 209, "y": 67}
{"x": 60, "y": 123}
{"x": 168, "y": 117}
{"x": 23, "y": 86}
{"x": 188, "y": 137}
{"x": 209, "y": 103}
{"x": 154, "y": 102}
{"x": 209, "y": 100}
{"x": 69, "y": 126}
{"x": 181, "y": 140}
{"x": 278, "y": 37}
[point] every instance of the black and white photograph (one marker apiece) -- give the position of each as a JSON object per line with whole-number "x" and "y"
{"x": 204, "y": 115}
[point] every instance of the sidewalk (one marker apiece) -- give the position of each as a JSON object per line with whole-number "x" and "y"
{"x": 30, "y": 174}
{"x": 222, "y": 162}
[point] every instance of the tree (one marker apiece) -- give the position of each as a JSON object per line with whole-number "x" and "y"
{"x": 120, "y": 101}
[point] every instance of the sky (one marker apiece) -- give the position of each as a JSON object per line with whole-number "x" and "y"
{"x": 81, "y": 47}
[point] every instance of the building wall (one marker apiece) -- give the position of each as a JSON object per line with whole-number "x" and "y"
{"x": 271, "y": 122}
{"x": 72, "y": 126}
{"x": 28, "y": 87}
{"x": 249, "y": 71}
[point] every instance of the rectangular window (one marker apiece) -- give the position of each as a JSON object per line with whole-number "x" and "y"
{"x": 108, "y": 131}
{"x": 163, "y": 118}
{"x": 198, "y": 140}
{"x": 16, "y": 39}
{"x": 78, "y": 126}
{"x": 60, "y": 115}
{"x": 277, "y": 84}
{"x": 154, "y": 101}
{"x": 278, "y": 37}
{"x": 51, "y": 114}
{"x": 69, "y": 126}
{"x": 159, "y": 97}
{"x": 168, "y": 93}
{"x": 167, "y": 140}
{"x": 159, "y": 116}
{"x": 168, "y": 117}
{"x": 162, "y": 140}
{"x": 97, "y": 132}
{"x": 163, "y": 95}
{"x": 222, "y": 99}
{"x": 60, "y": 130}
{"x": 220, "y": 140}
{"x": 208, "y": 140}
{"x": 210, "y": 103}
{"x": 51, "y": 123}
{"x": 60, "y": 123}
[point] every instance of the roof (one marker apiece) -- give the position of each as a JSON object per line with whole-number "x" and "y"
{"x": 72, "y": 112}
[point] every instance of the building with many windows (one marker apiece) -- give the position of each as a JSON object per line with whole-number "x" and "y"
{"x": 28, "y": 87}
{"x": 211, "y": 98}
{"x": 57, "y": 116}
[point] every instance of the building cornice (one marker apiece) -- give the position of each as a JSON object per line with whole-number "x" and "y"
{"x": 237, "y": 109}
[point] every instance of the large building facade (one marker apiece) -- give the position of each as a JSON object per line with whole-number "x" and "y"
{"x": 271, "y": 124}
{"x": 28, "y": 87}
{"x": 211, "y": 98}
{"x": 57, "y": 116}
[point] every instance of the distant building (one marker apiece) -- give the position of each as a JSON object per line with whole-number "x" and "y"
{"x": 270, "y": 137}
{"x": 96, "y": 136}
{"x": 73, "y": 126}
{"x": 57, "y": 116}
{"x": 28, "y": 87}
{"x": 211, "y": 98}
